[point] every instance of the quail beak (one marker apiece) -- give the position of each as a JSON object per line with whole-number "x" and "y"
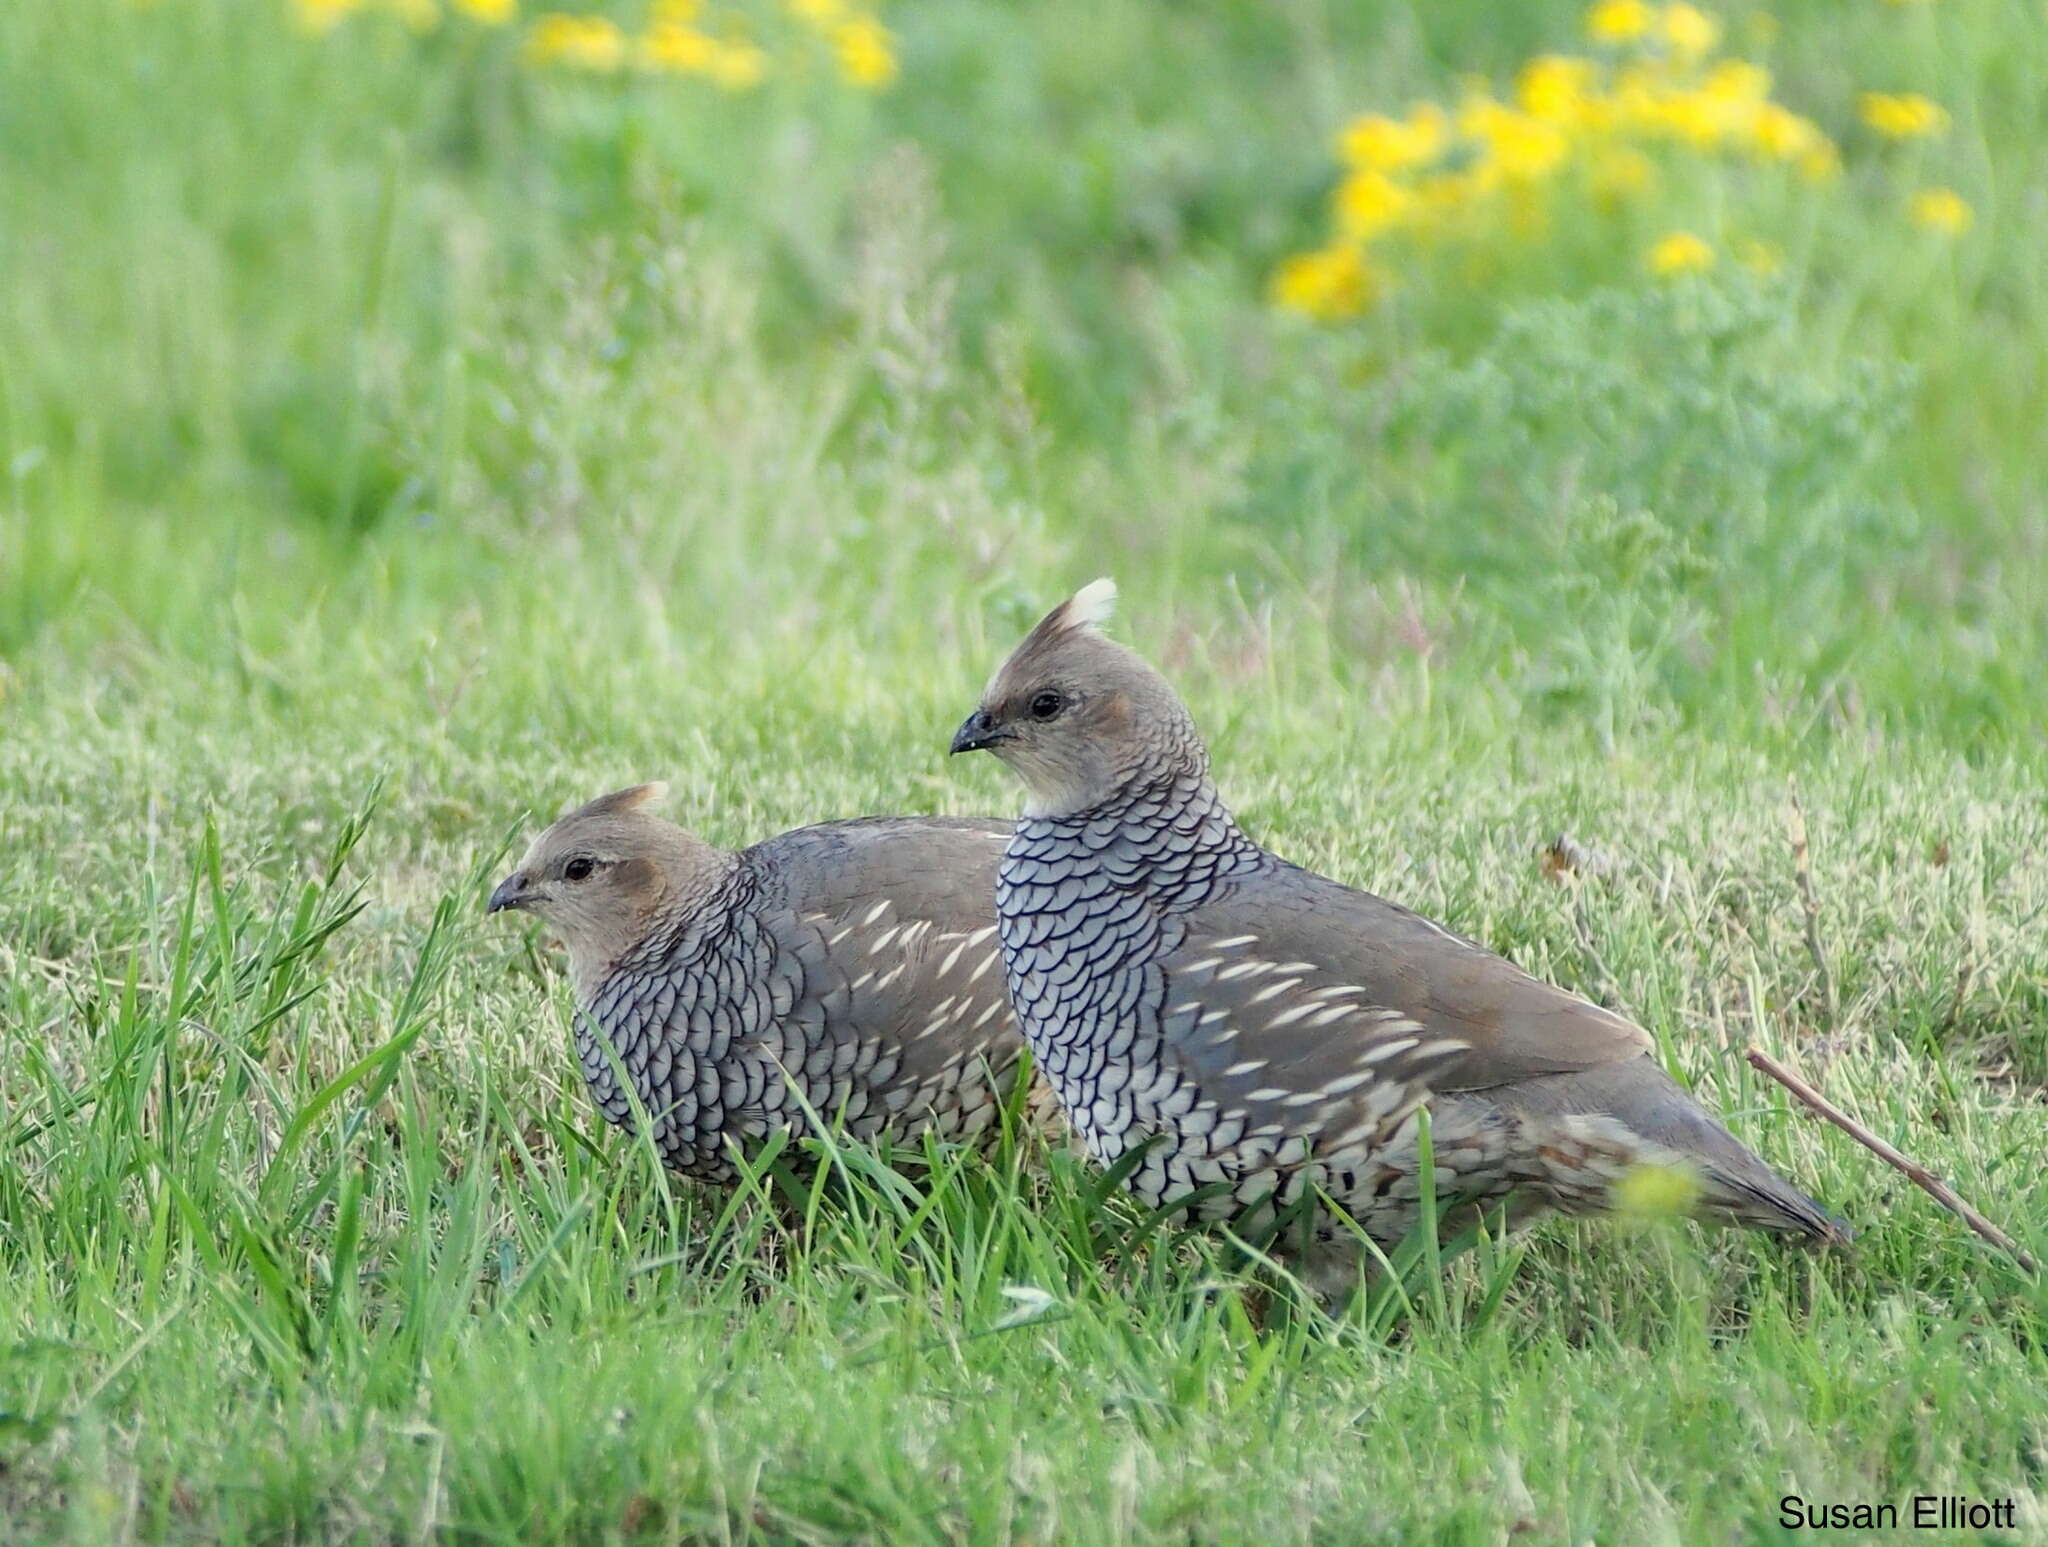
{"x": 977, "y": 733}
{"x": 510, "y": 893}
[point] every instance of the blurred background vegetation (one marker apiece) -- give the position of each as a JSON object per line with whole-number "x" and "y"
{"x": 351, "y": 310}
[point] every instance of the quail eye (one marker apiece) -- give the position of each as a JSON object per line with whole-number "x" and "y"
{"x": 579, "y": 868}
{"x": 1046, "y": 705}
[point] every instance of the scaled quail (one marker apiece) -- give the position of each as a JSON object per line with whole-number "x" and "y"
{"x": 850, "y": 968}
{"x": 1270, "y": 1030}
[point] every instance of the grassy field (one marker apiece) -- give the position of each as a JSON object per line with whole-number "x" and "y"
{"x": 406, "y": 435}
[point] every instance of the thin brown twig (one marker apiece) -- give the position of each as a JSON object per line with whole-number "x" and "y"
{"x": 1809, "y": 899}
{"x": 1918, "y": 1174}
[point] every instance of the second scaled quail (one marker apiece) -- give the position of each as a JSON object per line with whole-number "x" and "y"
{"x": 848, "y": 970}
{"x": 1264, "y": 1030}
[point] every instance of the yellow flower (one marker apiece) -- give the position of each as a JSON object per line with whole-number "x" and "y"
{"x": 1941, "y": 209}
{"x": 1681, "y": 253}
{"x": 1373, "y": 140}
{"x": 1759, "y": 257}
{"x": 1529, "y": 149}
{"x": 1636, "y": 97}
{"x": 1907, "y": 116}
{"x": 1367, "y": 203}
{"x": 1554, "y": 88}
{"x": 676, "y": 13}
{"x": 1380, "y": 143}
{"x": 1737, "y": 80}
{"x": 1618, "y": 21}
{"x": 1777, "y": 131}
{"x": 1690, "y": 31}
{"x": 1691, "y": 116}
{"x": 673, "y": 46}
{"x": 1515, "y": 144}
{"x": 492, "y": 13}
{"x": 866, "y": 57}
{"x": 582, "y": 42}
{"x": 1331, "y": 283}
{"x": 738, "y": 66}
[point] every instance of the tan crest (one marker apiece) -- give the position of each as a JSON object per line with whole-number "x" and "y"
{"x": 1085, "y": 611}
{"x": 631, "y": 798}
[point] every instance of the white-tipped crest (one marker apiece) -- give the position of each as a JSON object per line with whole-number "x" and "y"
{"x": 1091, "y": 606}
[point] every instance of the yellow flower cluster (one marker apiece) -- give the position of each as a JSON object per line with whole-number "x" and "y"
{"x": 581, "y": 42}
{"x": 673, "y": 43}
{"x": 862, "y": 45}
{"x": 1908, "y": 116}
{"x": 1653, "y": 90}
{"x": 679, "y": 38}
{"x": 677, "y": 47}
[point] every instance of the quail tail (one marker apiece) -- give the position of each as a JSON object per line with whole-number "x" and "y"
{"x": 1637, "y": 1099}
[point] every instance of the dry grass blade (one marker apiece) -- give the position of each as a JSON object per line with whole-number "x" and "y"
{"x": 1809, "y": 901}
